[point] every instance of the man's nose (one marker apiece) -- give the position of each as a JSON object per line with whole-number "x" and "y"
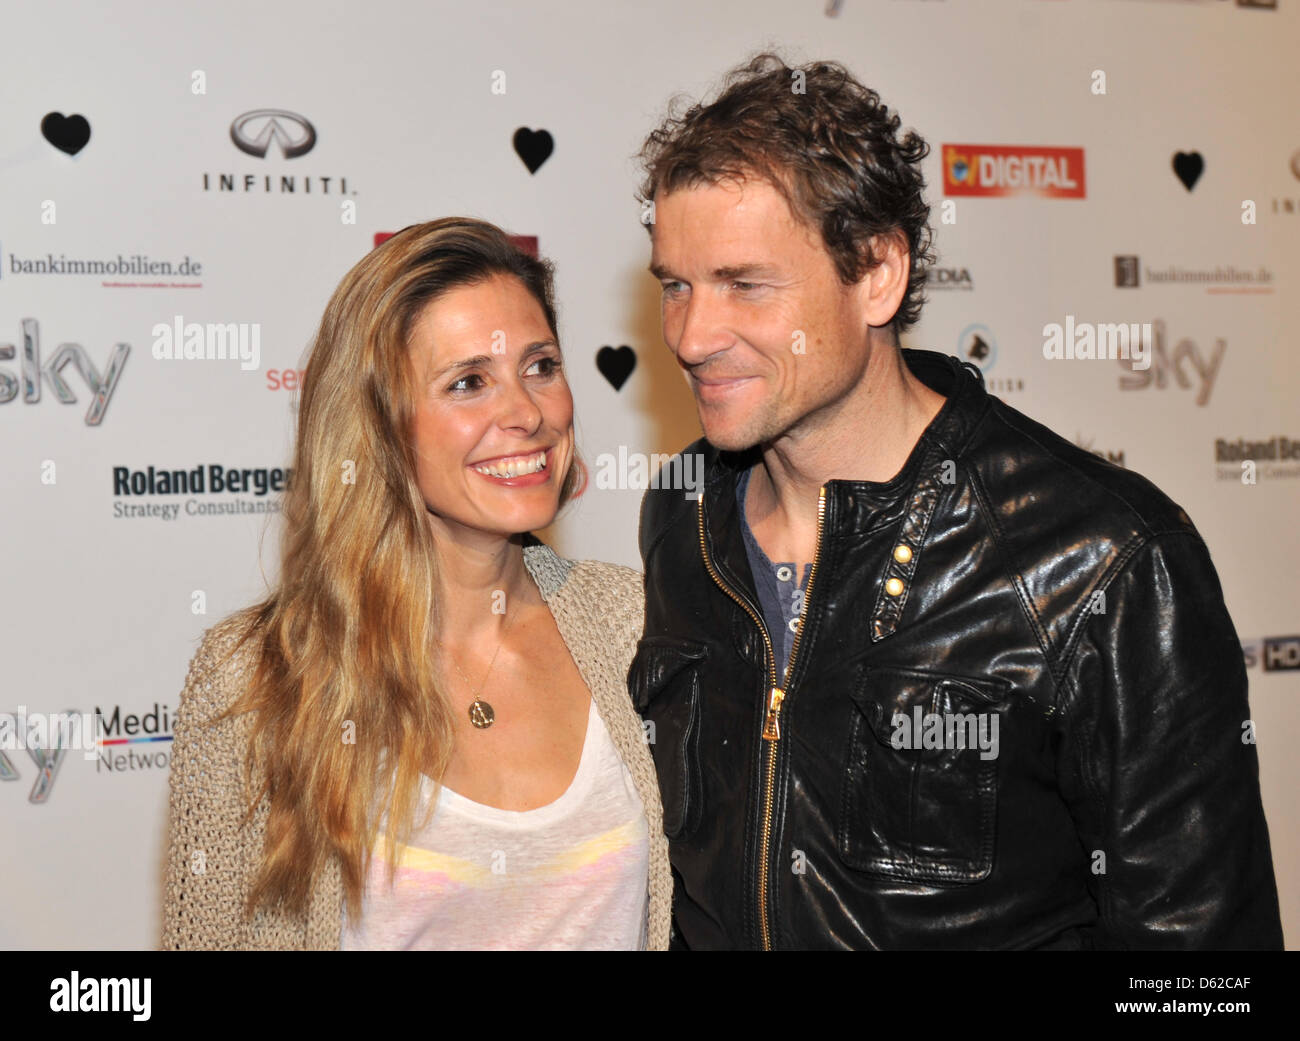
{"x": 702, "y": 332}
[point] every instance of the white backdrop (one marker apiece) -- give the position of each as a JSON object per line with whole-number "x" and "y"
{"x": 99, "y": 610}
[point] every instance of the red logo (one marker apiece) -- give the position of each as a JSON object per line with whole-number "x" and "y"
{"x": 1053, "y": 173}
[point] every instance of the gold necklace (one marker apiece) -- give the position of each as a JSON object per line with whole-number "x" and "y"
{"x": 480, "y": 712}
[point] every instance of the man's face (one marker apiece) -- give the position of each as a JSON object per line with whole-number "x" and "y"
{"x": 493, "y": 400}
{"x": 754, "y": 311}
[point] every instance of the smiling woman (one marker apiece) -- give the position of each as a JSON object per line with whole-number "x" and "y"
{"x": 425, "y": 667}
{"x": 494, "y": 430}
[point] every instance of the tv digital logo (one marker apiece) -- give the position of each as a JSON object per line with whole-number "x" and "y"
{"x": 1002, "y": 170}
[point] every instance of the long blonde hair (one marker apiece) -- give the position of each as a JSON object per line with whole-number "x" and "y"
{"x": 345, "y": 644}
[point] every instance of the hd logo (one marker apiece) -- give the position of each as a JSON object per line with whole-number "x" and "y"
{"x": 1274, "y": 653}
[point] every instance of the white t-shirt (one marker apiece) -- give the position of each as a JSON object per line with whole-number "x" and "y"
{"x": 571, "y": 875}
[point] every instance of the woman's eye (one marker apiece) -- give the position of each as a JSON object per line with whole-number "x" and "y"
{"x": 552, "y": 365}
{"x": 456, "y": 387}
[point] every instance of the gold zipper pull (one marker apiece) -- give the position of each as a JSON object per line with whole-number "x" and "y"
{"x": 771, "y": 727}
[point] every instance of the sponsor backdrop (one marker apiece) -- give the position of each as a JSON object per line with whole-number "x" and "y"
{"x": 1116, "y": 192}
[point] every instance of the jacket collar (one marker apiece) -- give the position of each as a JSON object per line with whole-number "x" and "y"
{"x": 855, "y": 506}
{"x": 549, "y": 570}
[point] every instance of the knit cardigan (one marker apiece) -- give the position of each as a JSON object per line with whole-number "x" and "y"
{"x": 212, "y": 860}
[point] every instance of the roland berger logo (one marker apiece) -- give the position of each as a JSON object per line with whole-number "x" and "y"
{"x": 1001, "y": 170}
{"x": 1251, "y": 461}
{"x": 160, "y": 488}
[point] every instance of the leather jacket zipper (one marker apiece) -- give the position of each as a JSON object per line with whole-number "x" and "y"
{"x": 775, "y": 695}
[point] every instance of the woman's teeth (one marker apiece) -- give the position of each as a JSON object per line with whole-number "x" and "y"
{"x": 528, "y": 464}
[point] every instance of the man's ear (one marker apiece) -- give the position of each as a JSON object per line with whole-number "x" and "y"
{"x": 881, "y": 290}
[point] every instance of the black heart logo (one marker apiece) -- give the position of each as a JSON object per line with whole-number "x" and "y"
{"x": 66, "y": 133}
{"x": 616, "y": 365}
{"x": 1189, "y": 166}
{"x": 534, "y": 147}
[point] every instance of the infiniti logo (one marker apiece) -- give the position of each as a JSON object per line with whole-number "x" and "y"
{"x": 254, "y": 131}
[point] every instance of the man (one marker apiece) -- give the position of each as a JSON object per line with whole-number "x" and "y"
{"x": 921, "y": 672}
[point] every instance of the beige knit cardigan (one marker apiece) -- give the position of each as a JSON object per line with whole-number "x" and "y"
{"x": 211, "y": 859}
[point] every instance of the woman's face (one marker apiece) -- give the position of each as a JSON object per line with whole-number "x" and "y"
{"x": 492, "y": 401}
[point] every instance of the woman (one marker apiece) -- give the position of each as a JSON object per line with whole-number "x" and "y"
{"x": 425, "y": 668}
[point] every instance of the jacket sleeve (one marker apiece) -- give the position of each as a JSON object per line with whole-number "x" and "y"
{"x": 203, "y": 891}
{"x": 631, "y": 610}
{"x": 665, "y": 500}
{"x": 1158, "y": 763}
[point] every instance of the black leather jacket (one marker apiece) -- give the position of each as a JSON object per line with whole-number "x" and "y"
{"x": 1004, "y": 574}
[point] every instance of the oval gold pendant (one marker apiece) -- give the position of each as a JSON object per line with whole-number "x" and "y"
{"x": 481, "y": 714}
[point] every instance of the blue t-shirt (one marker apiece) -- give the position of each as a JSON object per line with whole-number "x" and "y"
{"x": 779, "y": 594}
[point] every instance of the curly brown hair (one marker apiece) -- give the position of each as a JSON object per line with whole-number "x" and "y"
{"x": 825, "y": 142}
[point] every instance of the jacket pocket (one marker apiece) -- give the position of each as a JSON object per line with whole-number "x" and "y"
{"x": 664, "y": 681}
{"x": 920, "y": 801}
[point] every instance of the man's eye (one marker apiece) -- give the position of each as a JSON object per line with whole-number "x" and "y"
{"x": 672, "y": 287}
{"x": 744, "y": 286}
